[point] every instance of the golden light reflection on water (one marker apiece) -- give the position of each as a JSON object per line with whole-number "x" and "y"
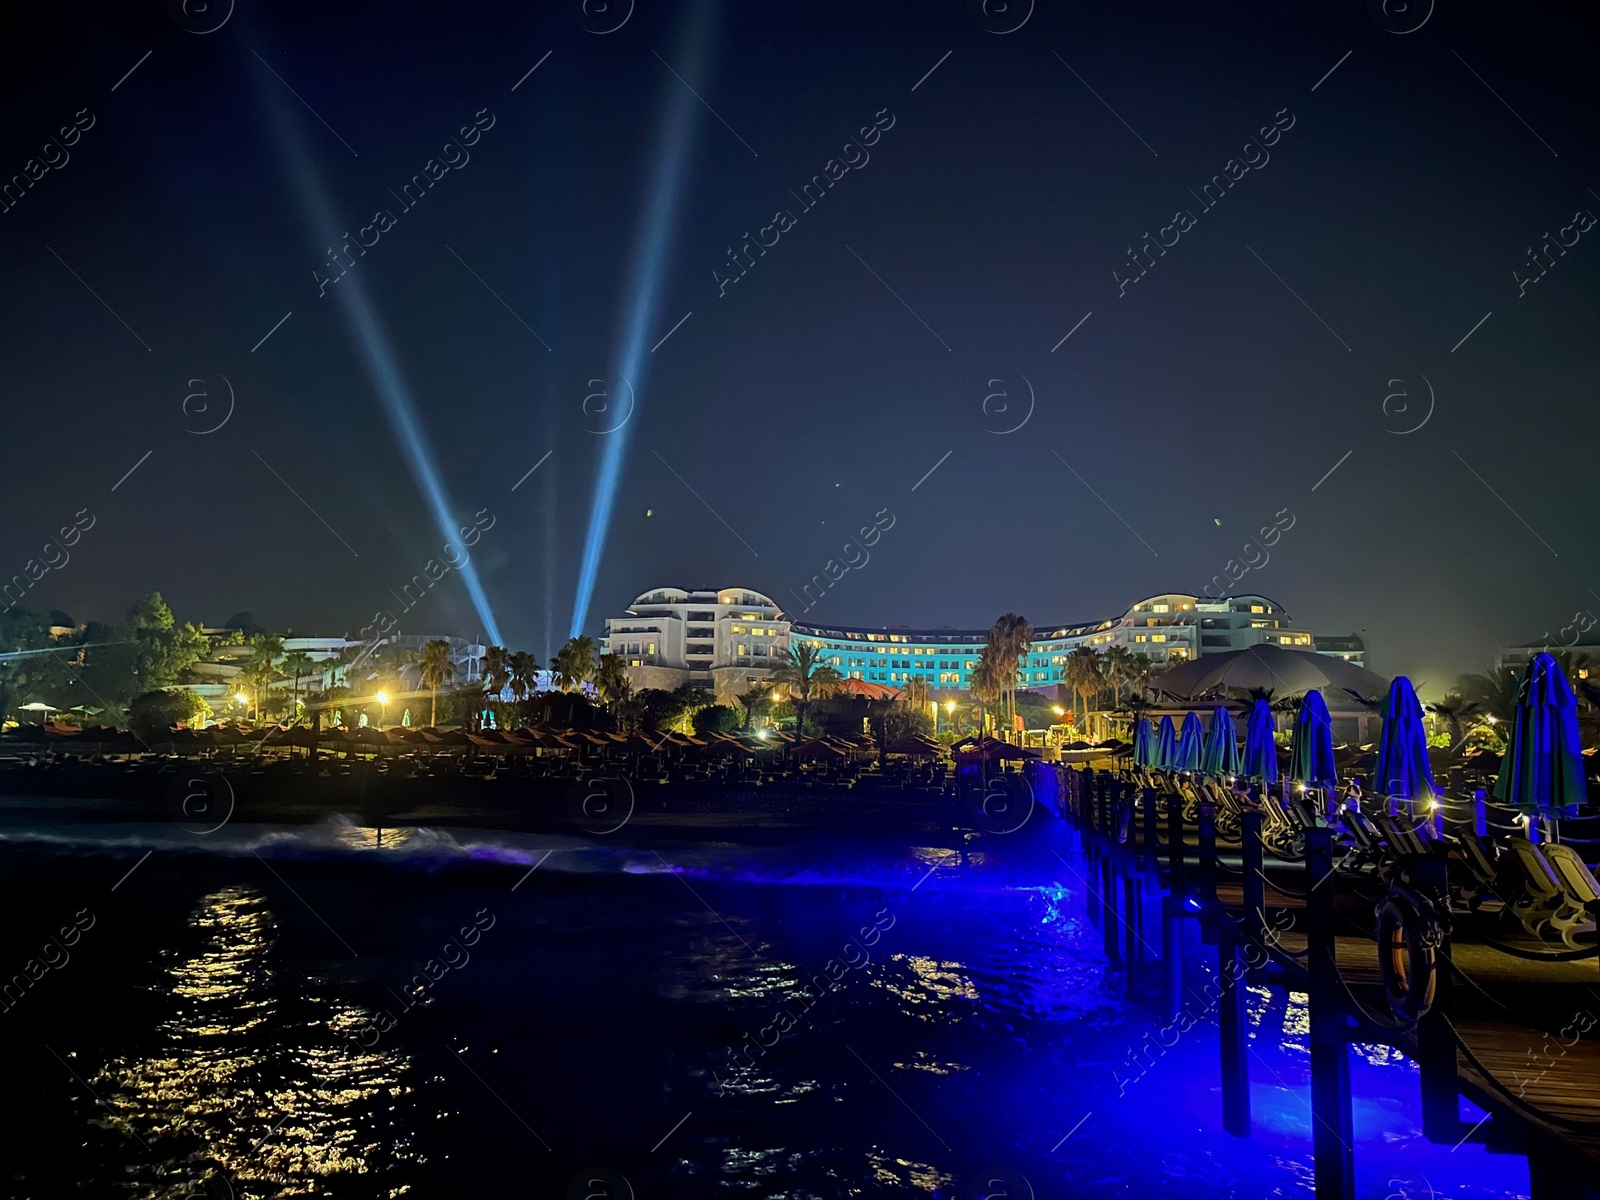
{"x": 236, "y": 1085}
{"x": 903, "y": 1172}
{"x": 927, "y": 986}
{"x": 362, "y": 837}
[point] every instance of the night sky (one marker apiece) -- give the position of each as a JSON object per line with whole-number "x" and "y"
{"x": 997, "y": 205}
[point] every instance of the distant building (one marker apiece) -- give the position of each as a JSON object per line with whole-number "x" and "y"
{"x": 720, "y": 640}
{"x": 1352, "y": 649}
{"x": 725, "y": 640}
{"x": 217, "y": 672}
{"x": 1516, "y": 658}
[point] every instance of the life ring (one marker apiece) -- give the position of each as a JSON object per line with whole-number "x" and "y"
{"x": 1409, "y": 934}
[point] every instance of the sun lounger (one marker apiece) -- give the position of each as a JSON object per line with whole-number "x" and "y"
{"x": 1367, "y": 848}
{"x": 1538, "y": 897}
{"x": 1477, "y": 876}
{"x": 1581, "y": 889}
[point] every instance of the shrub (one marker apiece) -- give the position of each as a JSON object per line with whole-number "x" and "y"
{"x": 716, "y": 718}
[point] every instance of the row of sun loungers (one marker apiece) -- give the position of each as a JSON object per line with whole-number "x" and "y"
{"x": 1547, "y": 888}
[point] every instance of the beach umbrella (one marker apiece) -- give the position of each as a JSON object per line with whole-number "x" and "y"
{"x": 1402, "y": 771}
{"x": 1260, "y": 753}
{"x": 1542, "y": 771}
{"x": 1187, "y": 756}
{"x": 1144, "y": 743}
{"x": 1166, "y": 743}
{"x": 1311, "y": 755}
{"x": 1221, "y": 754}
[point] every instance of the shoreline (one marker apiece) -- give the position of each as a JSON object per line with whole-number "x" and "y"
{"x": 197, "y": 796}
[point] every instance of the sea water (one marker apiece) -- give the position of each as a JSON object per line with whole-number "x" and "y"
{"x": 328, "y": 1011}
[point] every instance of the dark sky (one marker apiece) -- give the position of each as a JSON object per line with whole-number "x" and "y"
{"x": 857, "y": 352}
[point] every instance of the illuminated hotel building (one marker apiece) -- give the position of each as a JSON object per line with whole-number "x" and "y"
{"x": 721, "y": 640}
{"x": 726, "y": 640}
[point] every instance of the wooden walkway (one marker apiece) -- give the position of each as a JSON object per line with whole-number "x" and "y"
{"x": 1519, "y": 1037}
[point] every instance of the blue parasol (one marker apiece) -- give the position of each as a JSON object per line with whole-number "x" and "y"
{"x": 1542, "y": 772}
{"x": 1311, "y": 759}
{"x": 1221, "y": 755}
{"x": 1260, "y": 752}
{"x": 1187, "y": 756}
{"x": 1402, "y": 771}
{"x": 1166, "y": 744}
{"x": 1144, "y": 743}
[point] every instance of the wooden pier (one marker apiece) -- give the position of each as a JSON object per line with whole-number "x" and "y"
{"x": 1510, "y": 1022}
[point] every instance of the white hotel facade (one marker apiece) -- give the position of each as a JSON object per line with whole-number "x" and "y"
{"x": 727, "y": 639}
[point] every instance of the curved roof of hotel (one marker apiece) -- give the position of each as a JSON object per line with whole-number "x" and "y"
{"x": 1041, "y": 632}
{"x": 675, "y": 595}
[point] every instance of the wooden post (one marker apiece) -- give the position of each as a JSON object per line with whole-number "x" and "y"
{"x": 1436, "y": 1044}
{"x": 1558, "y": 1172}
{"x": 1174, "y": 844}
{"x": 1255, "y": 895}
{"x": 1331, "y": 1127}
{"x": 1208, "y": 876}
{"x": 1152, "y": 838}
{"x": 1234, "y": 1038}
{"x": 1171, "y": 957}
{"x": 1110, "y": 931}
{"x": 1132, "y": 925}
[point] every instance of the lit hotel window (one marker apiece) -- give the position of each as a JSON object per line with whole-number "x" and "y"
{"x": 1255, "y": 608}
{"x": 1158, "y": 637}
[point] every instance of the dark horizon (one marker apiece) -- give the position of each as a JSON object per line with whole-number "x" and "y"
{"x": 1275, "y": 357}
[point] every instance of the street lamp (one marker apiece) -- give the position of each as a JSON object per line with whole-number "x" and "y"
{"x": 383, "y": 708}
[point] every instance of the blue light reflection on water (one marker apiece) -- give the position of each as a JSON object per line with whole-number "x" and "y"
{"x": 987, "y": 1006}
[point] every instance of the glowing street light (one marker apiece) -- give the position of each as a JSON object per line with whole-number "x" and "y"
{"x": 241, "y": 698}
{"x": 383, "y": 707}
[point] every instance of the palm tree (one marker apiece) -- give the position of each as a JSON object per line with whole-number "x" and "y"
{"x": 914, "y": 692}
{"x": 496, "y": 673}
{"x": 985, "y": 684}
{"x": 1139, "y": 669}
{"x": 435, "y": 669}
{"x": 611, "y": 680}
{"x": 296, "y": 664}
{"x": 522, "y": 674}
{"x": 1117, "y": 667}
{"x": 573, "y": 664}
{"x": 1009, "y": 640}
{"x": 260, "y": 667}
{"x": 1494, "y": 692}
{"x": 753, "y": 700}
{"x": 631, "y": 712}
{"x": 1084, "y": 677}
{"x": 807, "y": 679}
{"x": 1455, "y": 710}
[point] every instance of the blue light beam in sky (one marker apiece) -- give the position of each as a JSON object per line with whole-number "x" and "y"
{"x": 377, "y": 355}
{"x": 647, "y": 271}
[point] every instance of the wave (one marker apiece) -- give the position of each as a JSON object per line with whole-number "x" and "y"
{"x": 339, "y": 840}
